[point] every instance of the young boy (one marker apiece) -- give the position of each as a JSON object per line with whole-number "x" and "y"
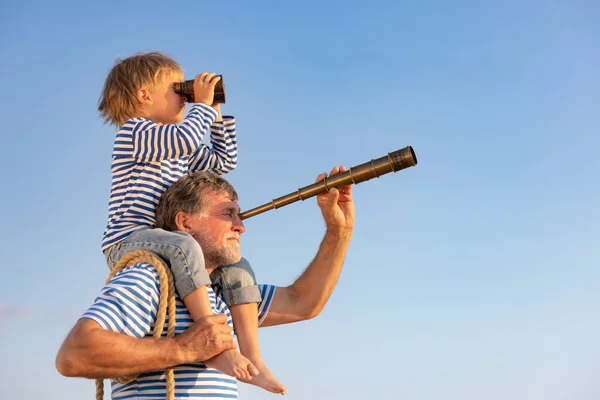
{"x": 150, "y": 153}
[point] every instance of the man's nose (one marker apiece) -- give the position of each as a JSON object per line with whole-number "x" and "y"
{"x": 238, "y": 225}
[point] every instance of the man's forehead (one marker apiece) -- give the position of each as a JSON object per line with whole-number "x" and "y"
{"x": 219, "y": 199}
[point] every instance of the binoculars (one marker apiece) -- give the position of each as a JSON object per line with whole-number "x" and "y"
{"x": 186, "y": 89}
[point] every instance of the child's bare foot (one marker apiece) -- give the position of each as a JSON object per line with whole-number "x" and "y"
{"x": 233, "y": 363}
{"x": 265, "y": 379}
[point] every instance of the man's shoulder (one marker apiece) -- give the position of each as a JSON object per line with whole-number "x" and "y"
{"x": 128, "y": 302}
{"x": 141, "y": 274}
{"x": 138, "y": 285}
{"x": 143, "y": 268}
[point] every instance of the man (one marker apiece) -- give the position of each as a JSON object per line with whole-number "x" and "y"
{"x": 114, "y": 337}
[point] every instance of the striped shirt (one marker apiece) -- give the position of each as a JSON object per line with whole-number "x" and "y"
{"x": 148, "y": 158}
{"x": 128, "y": 304}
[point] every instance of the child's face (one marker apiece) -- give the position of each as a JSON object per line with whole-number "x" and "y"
{"x": 167, "y": 107}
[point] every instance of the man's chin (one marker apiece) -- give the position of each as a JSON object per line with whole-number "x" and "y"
{"x": 227, "y": 258}
{"x": 234, "y": 258}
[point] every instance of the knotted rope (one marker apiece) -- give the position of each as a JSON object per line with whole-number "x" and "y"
{"x": 166, "y": 302}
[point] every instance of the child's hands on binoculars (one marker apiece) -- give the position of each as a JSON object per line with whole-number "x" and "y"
{"x": 204, "y": 87}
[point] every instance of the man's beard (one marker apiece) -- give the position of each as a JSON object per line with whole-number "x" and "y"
{"x": 215, "y": 254}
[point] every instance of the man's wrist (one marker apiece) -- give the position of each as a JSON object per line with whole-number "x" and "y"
{"x": 173, "y": 351}
{"x": 341, "y": 232}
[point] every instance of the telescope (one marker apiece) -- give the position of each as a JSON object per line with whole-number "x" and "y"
{"x": 392, "y": 162}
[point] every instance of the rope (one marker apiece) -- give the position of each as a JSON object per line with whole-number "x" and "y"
{"x": 166, "y": 302}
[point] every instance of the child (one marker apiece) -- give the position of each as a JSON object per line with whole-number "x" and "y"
{"x": 150, "y": 153}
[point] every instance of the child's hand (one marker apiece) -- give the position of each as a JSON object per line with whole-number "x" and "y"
{"x": 204, "y": 87}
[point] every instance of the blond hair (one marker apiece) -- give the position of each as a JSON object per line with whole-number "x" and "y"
{"x": 118, "y": 101}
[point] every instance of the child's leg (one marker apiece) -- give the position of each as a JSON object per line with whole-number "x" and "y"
{"x": 241, "y": 294}
{"x": 245, "y": 320}
{"x": 186, "y": 262}
{"x": 230, "y": 362}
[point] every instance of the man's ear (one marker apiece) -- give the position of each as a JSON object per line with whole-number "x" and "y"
{"x": 144, "y": 97}
{"x": 182, "y": 221}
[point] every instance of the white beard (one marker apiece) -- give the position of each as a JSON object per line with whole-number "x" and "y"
{"x": 218, "y": 255}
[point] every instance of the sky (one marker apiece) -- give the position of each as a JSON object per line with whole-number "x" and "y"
{"x": 474, "y": 275}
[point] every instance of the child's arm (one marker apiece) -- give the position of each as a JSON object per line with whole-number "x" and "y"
{"x": 222, "y": 158}
{"x": 153, "y": 142}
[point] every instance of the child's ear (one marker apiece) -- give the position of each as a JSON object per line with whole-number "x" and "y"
{"x": 143, "y": 96}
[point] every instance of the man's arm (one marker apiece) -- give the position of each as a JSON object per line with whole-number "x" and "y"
{"x": 111, "y": 338}
{"x": 92, "y": 352}
{"x": 307, "y": 296}
{"x": 89, "y": 351}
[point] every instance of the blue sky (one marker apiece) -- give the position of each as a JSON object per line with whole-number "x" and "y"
{"x": 474, "y": 275}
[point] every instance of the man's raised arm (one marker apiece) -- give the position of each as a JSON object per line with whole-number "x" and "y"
{"x": 307, "y": 296}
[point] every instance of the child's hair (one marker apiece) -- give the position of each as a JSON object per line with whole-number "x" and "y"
{"x": 117, "y": 103}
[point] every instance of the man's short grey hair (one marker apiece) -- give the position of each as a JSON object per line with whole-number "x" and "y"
{"x": 187, "y": 195}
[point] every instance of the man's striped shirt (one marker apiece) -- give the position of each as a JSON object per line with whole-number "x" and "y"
{"x": 148, "y": 158}
{"x": 128, "y": 305}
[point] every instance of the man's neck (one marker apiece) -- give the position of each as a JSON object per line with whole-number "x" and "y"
{"x": 210, "y": 267}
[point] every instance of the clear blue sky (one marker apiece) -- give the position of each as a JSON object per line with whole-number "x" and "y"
{"x": 475, "y": 275}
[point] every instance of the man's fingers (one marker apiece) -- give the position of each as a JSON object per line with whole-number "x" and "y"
{"x": 227, "y": 340}
{"x": 321, "y": 177}
{"x": 218, "y": 328}
{"x": 347, "y": 190}
{"x": 344, "y": 190}
{"x": 333, "y": 197}
{"x": 215, "y": 319}
{"x": 222, "y": 329}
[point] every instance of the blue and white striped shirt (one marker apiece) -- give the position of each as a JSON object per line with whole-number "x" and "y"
{"x": 148, "y": 158}
{"x": 128, "y": 304}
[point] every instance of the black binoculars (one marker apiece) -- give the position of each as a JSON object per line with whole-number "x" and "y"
{"x": 186, "y": 89}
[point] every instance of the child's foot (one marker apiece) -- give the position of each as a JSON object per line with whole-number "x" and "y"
{"x": 265, "y": 379}
{"x": 233, "y": 363}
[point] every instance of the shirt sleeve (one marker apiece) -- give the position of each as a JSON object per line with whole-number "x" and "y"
{"x": 128, "y": 302}
{"x": 222, "y": 157}
{"x": 267, "y": 293}
{"x": 154, "y": 142}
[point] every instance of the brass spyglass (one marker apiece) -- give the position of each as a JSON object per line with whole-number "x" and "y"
{"x": 392, "y": 162}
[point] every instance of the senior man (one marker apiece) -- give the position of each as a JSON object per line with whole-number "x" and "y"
{"x": 114, "y": 336}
